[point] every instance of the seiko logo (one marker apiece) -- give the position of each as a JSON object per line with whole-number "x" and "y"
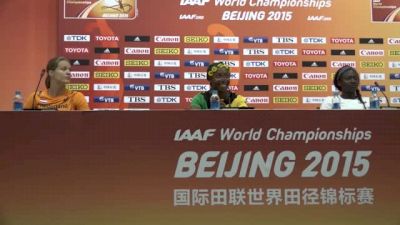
{"x": 314, "y": 52}
{"x": 230, "y": 63}
{"x": 339, "y": 64}
{"x": 371, "y": 52}
{"x": 372, "y": 64}
{"x": 191, "y": 17}
{"x": 394, "y": 41}
{"x": 276, "y": 51}
{"x": 136, "y": 63}
{"x": 372, "y": 76}
{"x": 137, "y": 51}
{"x": 167, "y": 63}
{"x": 76, "y": 38}
{"x": 197, "y": 39}
{"x": 313, "y": 40}
{"x": 284, "y": 40}
{"x": 314, "y": 76}
{"x": 342, "y": 40}
{"x": 255, "y": 40}
{"x": 167, "y": 39}
{"x": 226, "y": 51}
{"x": 106, "y": 38}
{"x": 196, "y": 87}
{"x": 167, "y": 99}
{"x": 167, "y": 87}
{"x": 194, "y": 2}
{"x": 106, "y": 62}
{"x": 255, "y": 76}
{"x": 286, "y": 88}
{"x": 286, "y": 100}
{"x": 80, "y": 75}
{"x": 106, "y": 87}
{"x": 167, "y": 51}
{"x": 193, "y": 63}
{"x": 76, "y": 50}
{"x": 255, "y": 51}
{"x": 103, "y": 99}
{"x": 166, "y": 75}
{"x": 197, "y": 51}
{"x": 220, "y": 39}
{"x": 108, "y": 75}
{"x": 313, "y": 100}
{"x": 394, "y": 53}
{"x": 78, "y": 87}
{"x": 137, "y": 99}
{"x": 315, "y": 88}
{"x": 137, "y": 87}
{"x": 260, "y": 64}
{"x": 137, "y": 75}
{"x": 394, "y": 65}
{"x": 257, "y": 100}
{"x": 195, "y": 75}
{"x": 285, "y": 64}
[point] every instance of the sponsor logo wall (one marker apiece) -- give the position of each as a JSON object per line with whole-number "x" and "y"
{"x": 282, "y": 55}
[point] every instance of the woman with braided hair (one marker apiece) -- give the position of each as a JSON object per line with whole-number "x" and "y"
{"x": 218, "y": 74}
{"x": 347, "y": 81}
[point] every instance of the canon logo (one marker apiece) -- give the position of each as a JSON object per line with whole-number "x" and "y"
{"x": 339, "y": 64}
{"x": 285, "y": 88}
{"x": 106, "y": 62}
{"x": 80, "y": 75}
{"x": 106, "y": 38}
{"x": 371, "y": 52}
{"x": 394, "y": 41}
{"x": 167, "y": 39}
{"x": 315, "y": 76}
{"x": 76, "y": 50}
{"x": 137, "y": 51}
{"x": 314, "y": 52}
{"x": 342, "y": 40}
{"x": 257, "y": 100}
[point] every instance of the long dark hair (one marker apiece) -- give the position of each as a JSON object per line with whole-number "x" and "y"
{"x": 338, "y": 75}
{"x": 52, "y": 65}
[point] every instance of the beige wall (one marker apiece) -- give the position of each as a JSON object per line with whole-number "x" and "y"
{"x": 28, "y": 38}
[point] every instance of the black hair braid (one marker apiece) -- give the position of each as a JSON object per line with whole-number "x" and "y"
{"x": 359, "y": 97}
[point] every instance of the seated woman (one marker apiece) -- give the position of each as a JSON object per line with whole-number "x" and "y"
{"x": 56, "y": 96}
{"x": 218, "y": 74}
{"x": 347, "y": 81}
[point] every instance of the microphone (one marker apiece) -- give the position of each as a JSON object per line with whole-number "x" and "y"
{"x": 383, "y": 93}
{"x": 37, "y": 87}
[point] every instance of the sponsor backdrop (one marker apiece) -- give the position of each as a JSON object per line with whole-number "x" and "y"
{"x": 152, "y": 54}
{"x": 181, "y": 171}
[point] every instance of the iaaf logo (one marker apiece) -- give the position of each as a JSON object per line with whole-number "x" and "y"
{"x": 220, "y": 39}
{"x": 167, "y": 39}
{"x": 285, "y": 63}
{"x": 106, "y": 87}
{"x": 372, "y": 76}
{"x": 394, "y": 41}
{"x": 137, "y": 75}
{"x": 137, "y": 99}
{"x": 106, "y": 62}
{"x": 314, "y": 76}
{"x": 255, "y": 76}
{"x": 282, "y": 52}
{"x": 167, "y": 63}
{"x": 255, "y": 64}
{"x": 342, "y": 41}
{"x": 197, "y": 51}
{"x": 255, "y": 51}
{"x": 314, "y": 52}
{"x": 394, "y": 65}
{"x": 313, "y": 40}
{"x": 313, "y": 100}
{"x": 167, "y": 87}
{"x": 103, "y": 99}
{"x": 372, "y": 52}
{"x": 195, "y": 75}
{"x": 76, "y": 38}
{"x": 230, "y": 63}
{"x": 76, "y": 50}
{"x": 191, "y": 17}
{"x": 167, "y": 99}
{"x": 137, "y": 51}
{"x": 196, "y": 87}
{"x": 339, "y": 64}
{"x": 284, "y": 40}
{"x": 80, "y": 75}
{"x": 257, "y": 100}
{"x": 106, "y": 38}
{"x": 286, "y": 88}
{"x": 194, "y": 2}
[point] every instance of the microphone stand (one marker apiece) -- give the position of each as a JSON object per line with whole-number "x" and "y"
{"x": 37, "y": 87}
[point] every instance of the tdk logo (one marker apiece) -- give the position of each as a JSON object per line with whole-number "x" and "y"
{"x": 76, "y": 38}
{"x": 260, "y": 64}
{"x": 196, "y": 87}
{"x": 194, "y": 2}
{"x": 194, "y": 63}
{"x": 282, "y": 52}
{"x": 165, "y": 75}
{"x": 102, "y": 99}
{"x": 372, "y": 87}
{"x": 167, "y": 99}
{"x": 313, "y": 40}
{"x": 135, "y": 87}
{"x": 255, "y": 40}
{"x": 226, "y": 51}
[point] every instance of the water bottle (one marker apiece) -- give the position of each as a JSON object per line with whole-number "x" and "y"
{"x": 215, "y": 103}
{"x": 374, "y": 101}
{"x": 336, "y": 100}
{"x": 18, "y": 104}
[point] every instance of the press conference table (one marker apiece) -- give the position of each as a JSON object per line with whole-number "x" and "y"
{"x": 136, "y": 167}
